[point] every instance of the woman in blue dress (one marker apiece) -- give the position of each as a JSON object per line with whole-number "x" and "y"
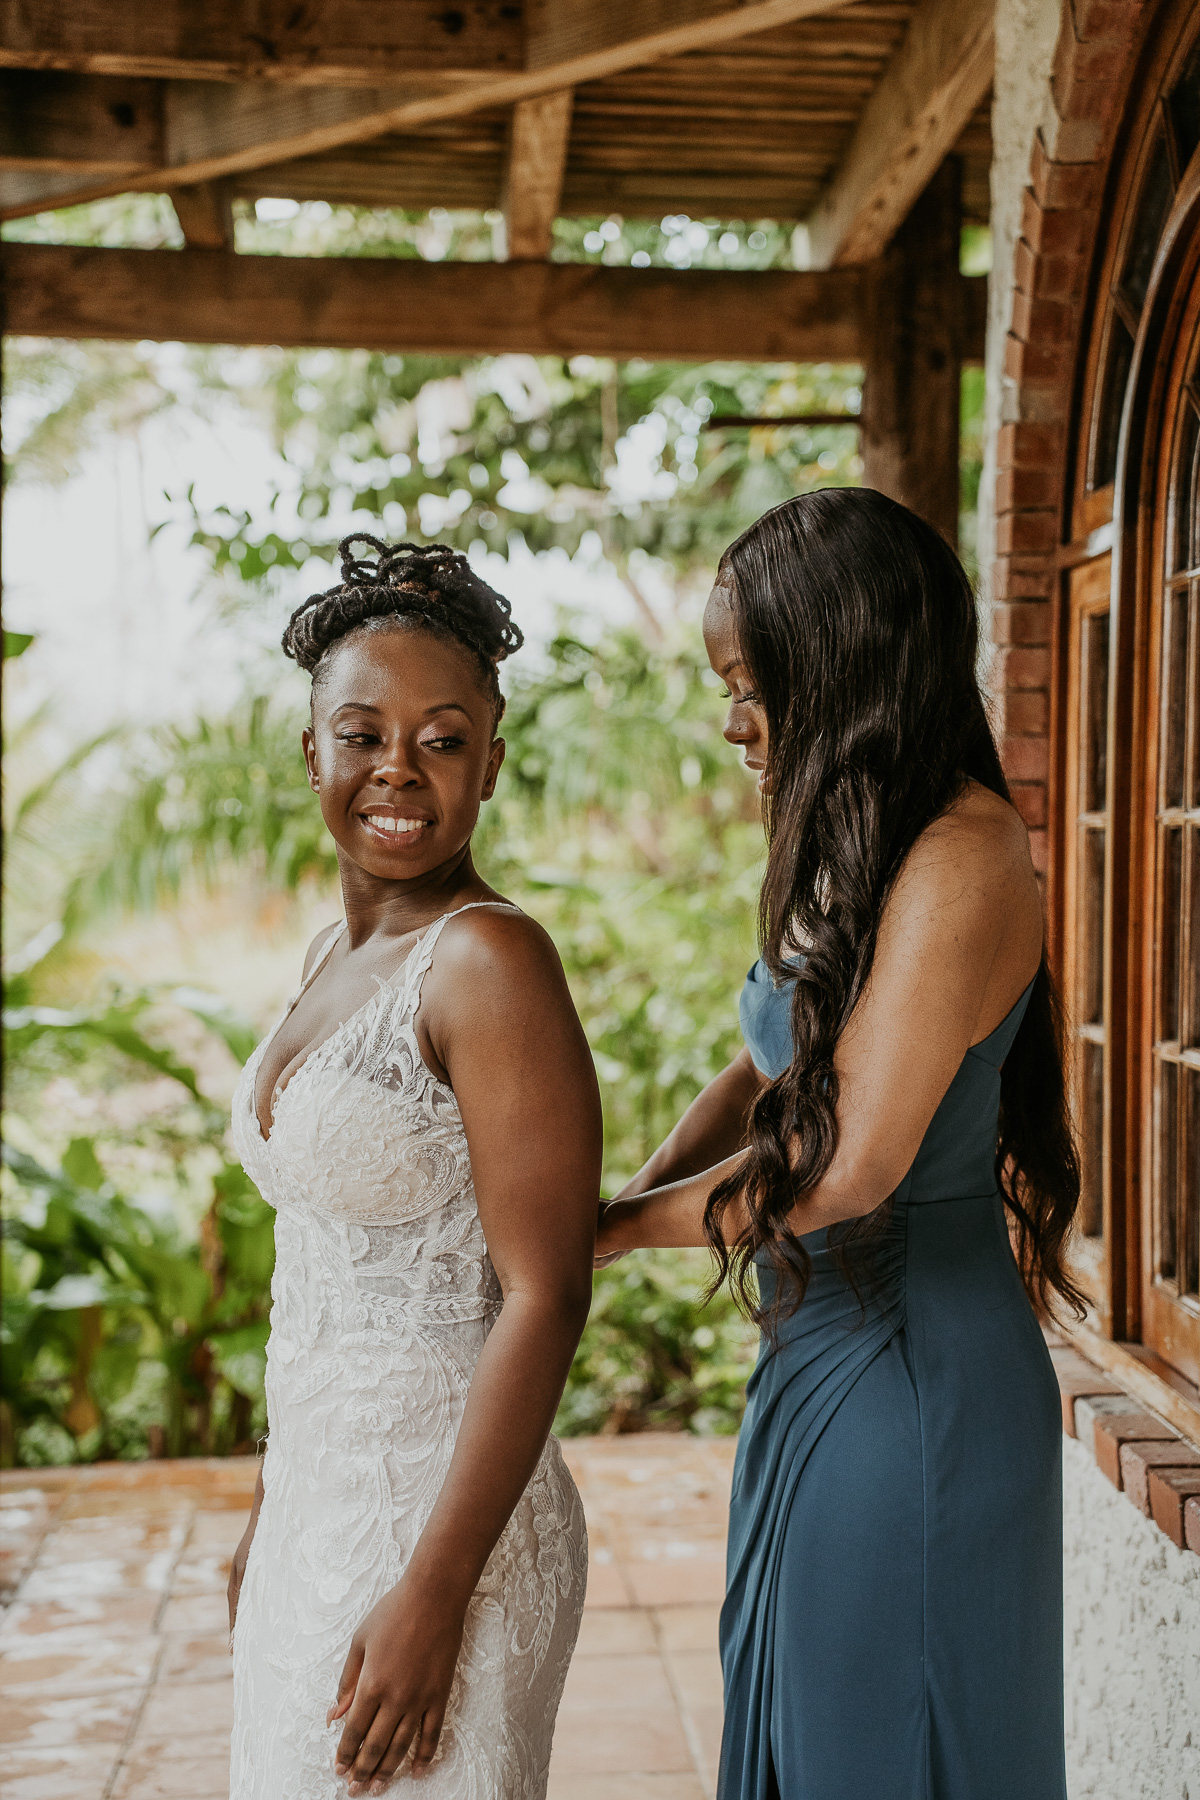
{"x": 887, "y": 1177}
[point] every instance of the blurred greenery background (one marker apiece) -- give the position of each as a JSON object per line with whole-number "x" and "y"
{"x": 137, "y": 1255}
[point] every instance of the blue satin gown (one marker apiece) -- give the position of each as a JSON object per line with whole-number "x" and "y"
{"x": 893, "y": 1623}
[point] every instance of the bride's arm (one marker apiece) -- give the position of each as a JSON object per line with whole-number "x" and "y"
{"x": 499, "y": 1019}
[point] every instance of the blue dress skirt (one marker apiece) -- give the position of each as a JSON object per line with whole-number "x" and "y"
{"x": 892, "y": 1628}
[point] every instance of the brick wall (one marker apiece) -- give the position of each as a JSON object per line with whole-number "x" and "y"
{"x": 1052, "y": 263}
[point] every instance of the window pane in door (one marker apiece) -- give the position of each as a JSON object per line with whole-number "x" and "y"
{"x": 1095, "y": 712}
{"x": 1187, "y": 493}
{"x": 1117, "y": 364}
{"x": 1150, "y": 215}
{"x": 1184, "y": 105}
{"x": 1193, "y": 794}
{"x": 1089, "y": 999}
{"x": 1189, "y": 1222}
{"x": 1174, "y": 696}
{"x": 1170, "y": 922}
{"x": 1091, "y": 1137}
{"x": 1189, "y": 1030}
{"x": 1166, "y": 1164}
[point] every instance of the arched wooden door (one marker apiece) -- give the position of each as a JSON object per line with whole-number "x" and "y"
{"x": 1127, "y": 823}
{"x": 1170, "y": 832}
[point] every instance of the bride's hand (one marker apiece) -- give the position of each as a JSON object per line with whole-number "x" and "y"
{"x": 395, "y": 1686}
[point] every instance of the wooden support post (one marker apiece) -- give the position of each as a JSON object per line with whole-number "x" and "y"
{"x": 533, "y": 180}
{"x": 205, "y": 214}
{"x": 914, "y": 330}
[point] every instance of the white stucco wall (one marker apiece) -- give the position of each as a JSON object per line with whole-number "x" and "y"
{"x": 1026, "y": 33}
{"x": 1132, "y": 1647}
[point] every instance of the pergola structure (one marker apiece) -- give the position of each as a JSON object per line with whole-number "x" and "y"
{"x": 864, "y": 122}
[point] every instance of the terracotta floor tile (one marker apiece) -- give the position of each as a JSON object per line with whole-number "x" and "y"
{"x": 218, "y": 1530}
{"x": 619, "y": 1740}
{"x": 65, "y": 1719}
{"x": 81, "y": 1578}
{"x": 201, "y": 1569}
{"x": 615, "y": 1631}
{"x": 697, "y": 1678}
{"x": 687, "y": 1627}
{"x": 78, "y": 1773}
{"x": 82, "y": 1620}
{"x": 99, "y": 1503}
{"x": 28, "y": 1673}
{"x": 616, "y": 1681}
{"x": 86, "y": 1785}
{"x": 606, "y": 1586}
{"x": 173, "y": 1777}
{"x": 624, "y": 1787}
{"x": 676, "y": 1584}
{"x": 195, "y": 1613}
{"x": 187, "y": 1710}
{"x": 196, "y": 1658}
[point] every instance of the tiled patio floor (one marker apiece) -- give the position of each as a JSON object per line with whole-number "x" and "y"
{"x": 114, "y": 1666}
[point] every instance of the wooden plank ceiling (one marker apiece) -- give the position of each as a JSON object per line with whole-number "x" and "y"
{"x": 688, "y": 109}
{"x": 746, "y": 130}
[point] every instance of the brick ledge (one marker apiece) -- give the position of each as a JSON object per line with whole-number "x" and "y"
{"x": 1126, "y": 1416}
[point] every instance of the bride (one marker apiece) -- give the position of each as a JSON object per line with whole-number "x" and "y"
{"x": 425, "y": 1121}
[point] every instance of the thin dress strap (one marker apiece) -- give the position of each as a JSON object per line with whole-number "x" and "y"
{"x": 416, "y": 967}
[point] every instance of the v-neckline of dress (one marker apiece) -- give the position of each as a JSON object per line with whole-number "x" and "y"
{"x": 265, "y": 1137}
{"x": 331, "y": 1037}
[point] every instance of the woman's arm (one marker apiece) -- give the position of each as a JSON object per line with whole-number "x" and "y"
{"x": 711, "y": 1129}
{"x": 959, "y": 939}
{"x": 500, "y": 1020}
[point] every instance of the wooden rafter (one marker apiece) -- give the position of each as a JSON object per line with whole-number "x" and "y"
{"x": 213, "y": 296}
{"x": 923, "y": 102}
{"x": 535, "y": 163}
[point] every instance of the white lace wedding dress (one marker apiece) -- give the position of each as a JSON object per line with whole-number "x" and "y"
{"x": 383, "y": 1296}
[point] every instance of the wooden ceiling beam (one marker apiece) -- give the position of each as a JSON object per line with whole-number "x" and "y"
{"x": 64, "y": 123}
{"x": 535, "y": 163}
{"x": 324, "y": 43}
{"x": 341, "y": 43}
{"x": 217, "y": 128}
{"x": 464, "y": 309}
{"x": 923, "y": 102}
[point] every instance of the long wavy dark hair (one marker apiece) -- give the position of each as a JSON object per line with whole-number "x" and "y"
{"x": 858, "y": 625}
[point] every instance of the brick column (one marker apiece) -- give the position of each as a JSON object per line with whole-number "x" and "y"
{"x": 1059, "y": 228}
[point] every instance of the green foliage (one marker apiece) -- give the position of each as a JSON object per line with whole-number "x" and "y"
{"x": 106, "y": 1303}
{"x": 651, "y": 1358}
{"x": 481, "y": 451}
{"x": 201, "y": 799}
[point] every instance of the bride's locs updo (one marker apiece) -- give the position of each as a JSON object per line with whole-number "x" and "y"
{"x": 427, "y": 586}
